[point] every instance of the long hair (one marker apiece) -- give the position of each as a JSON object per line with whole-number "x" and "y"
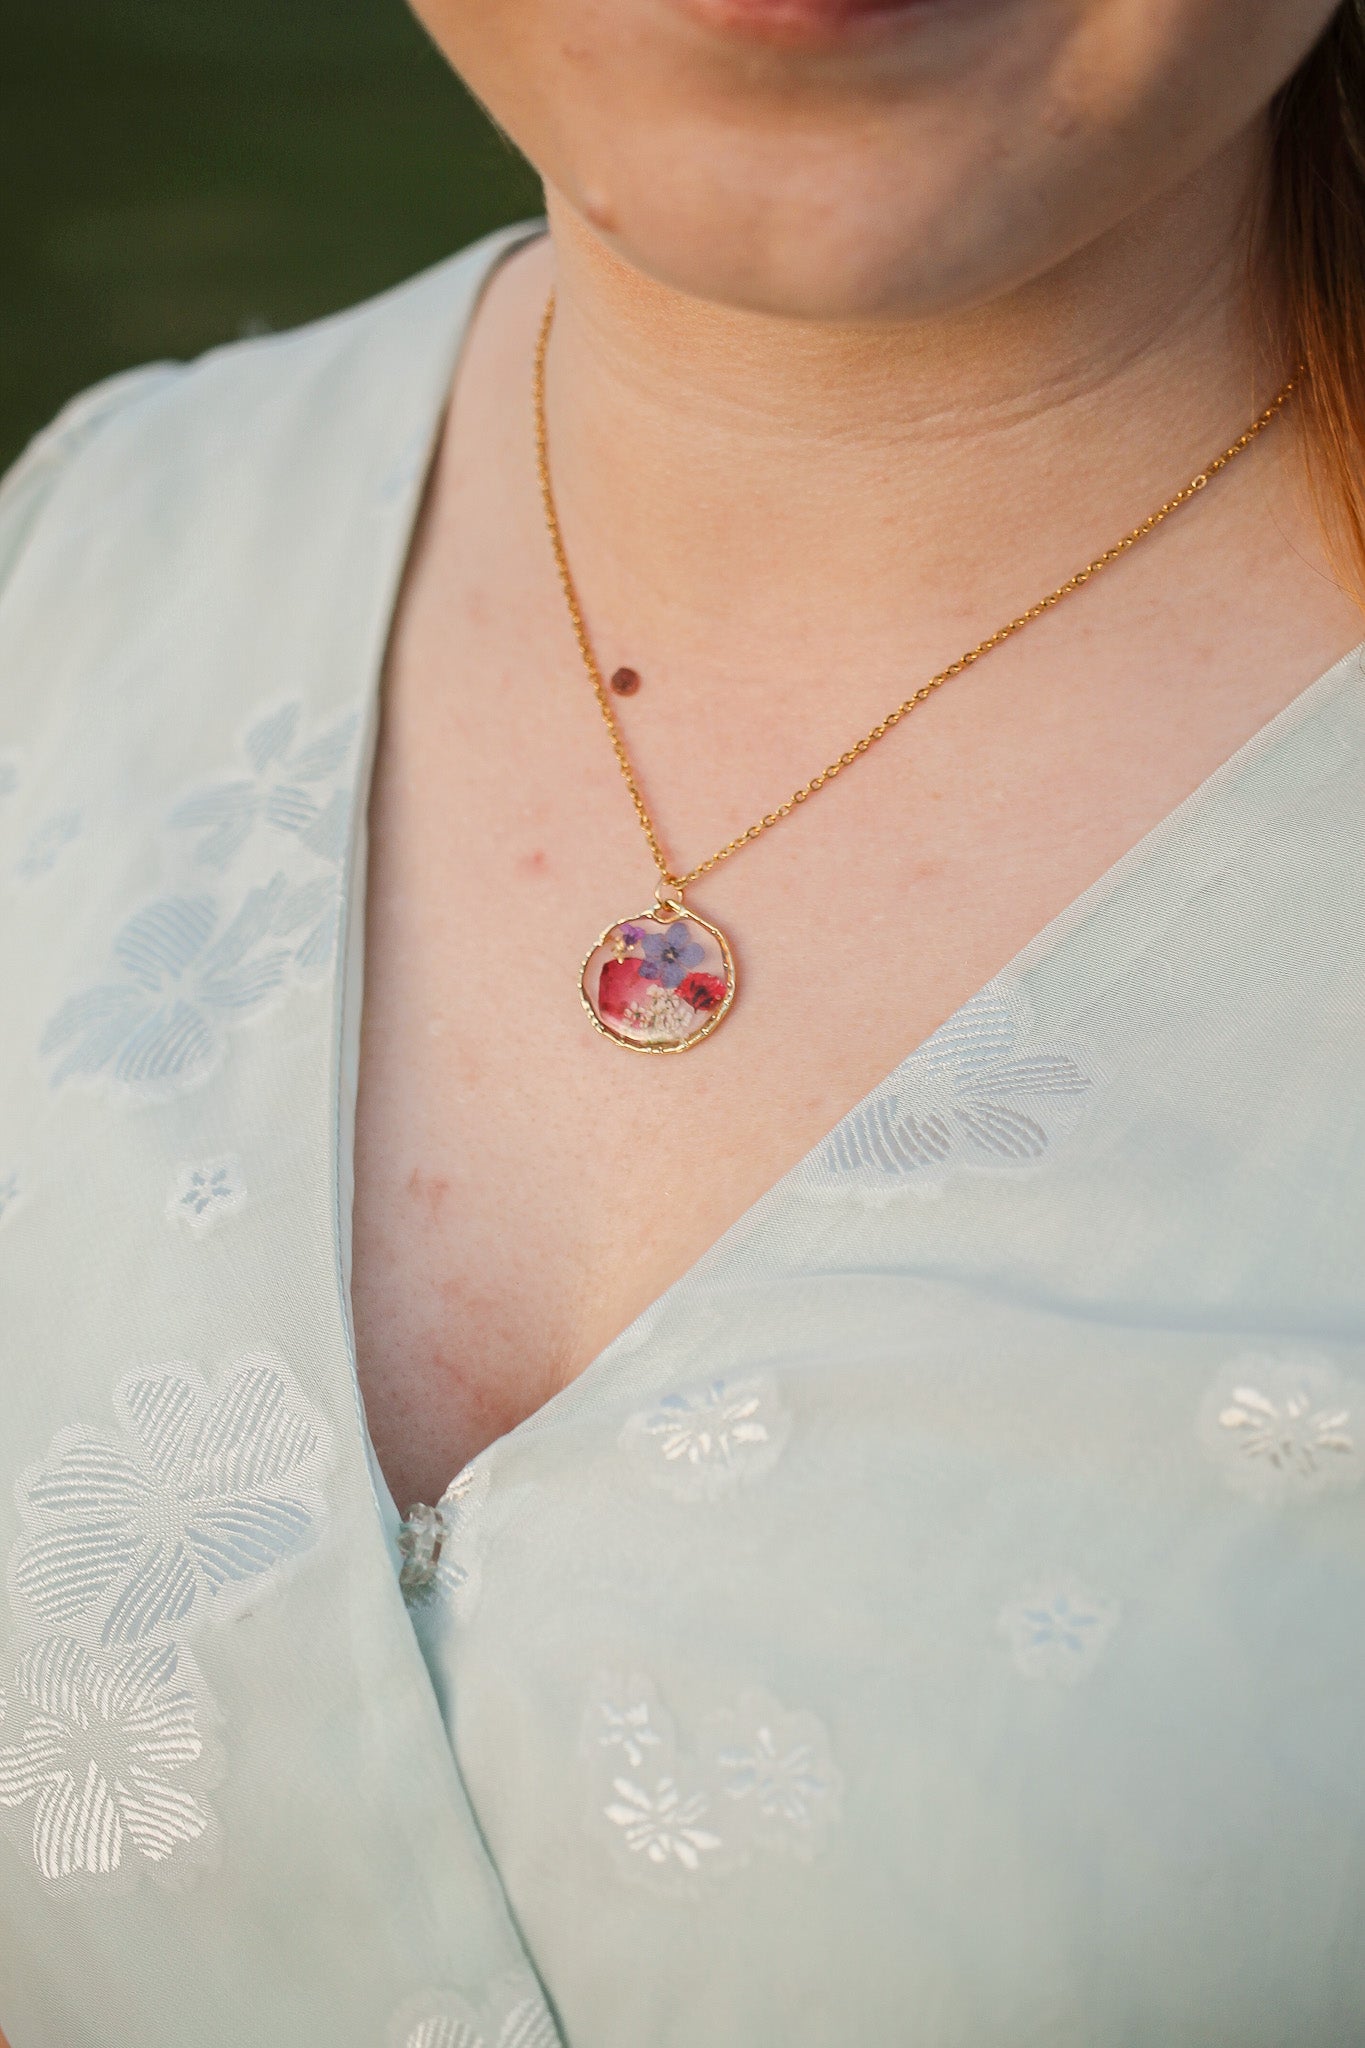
{"x": 1317, "y": 222}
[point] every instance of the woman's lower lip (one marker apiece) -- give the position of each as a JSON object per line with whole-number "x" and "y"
{"x": 799, "y": 22}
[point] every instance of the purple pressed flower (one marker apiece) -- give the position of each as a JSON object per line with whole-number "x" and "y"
{"x": 632, "y": 934}
{"x": 669, "y": 954}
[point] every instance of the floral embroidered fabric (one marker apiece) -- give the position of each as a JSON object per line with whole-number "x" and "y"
{"x": 135, "y": 1542}
{"x": 761, "y": 1779}
{"x": 934, "y": 1617}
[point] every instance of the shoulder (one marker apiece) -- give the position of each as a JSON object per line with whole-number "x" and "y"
{"x": 198, "y": 568}
{"x": 146, "y": 450}
{"x": 191, "y": 549}
{"x": 26, "y": 488}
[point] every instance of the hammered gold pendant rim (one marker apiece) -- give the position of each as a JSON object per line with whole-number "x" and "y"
{"x": 713, "y": 1020}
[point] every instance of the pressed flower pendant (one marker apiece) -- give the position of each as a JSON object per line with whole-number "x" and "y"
{"x": 659, "y": 982}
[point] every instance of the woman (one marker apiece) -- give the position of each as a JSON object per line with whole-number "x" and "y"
{"x": 903, "y": 1580}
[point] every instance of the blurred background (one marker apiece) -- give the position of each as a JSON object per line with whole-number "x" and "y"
{"x": 174, "y": 173}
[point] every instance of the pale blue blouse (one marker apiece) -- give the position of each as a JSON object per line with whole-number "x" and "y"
{"x": 940, "y": 1620}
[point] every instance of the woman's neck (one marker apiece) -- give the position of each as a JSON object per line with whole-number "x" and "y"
{"x": 712, "y": 465}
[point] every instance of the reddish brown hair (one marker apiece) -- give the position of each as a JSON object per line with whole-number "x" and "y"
{"x": 1317, "y": 221}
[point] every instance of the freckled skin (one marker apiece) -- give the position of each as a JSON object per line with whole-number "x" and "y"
{"x": 857, "y": 352}
{"x": 429, "y": 1190}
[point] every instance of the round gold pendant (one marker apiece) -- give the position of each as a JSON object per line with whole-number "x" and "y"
{"x": 659, "y": 982}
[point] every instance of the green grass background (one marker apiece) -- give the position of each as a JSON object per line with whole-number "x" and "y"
{"x": 177, "y": 172}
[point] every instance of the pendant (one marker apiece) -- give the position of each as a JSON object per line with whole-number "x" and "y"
{"x": 661, "y": 981}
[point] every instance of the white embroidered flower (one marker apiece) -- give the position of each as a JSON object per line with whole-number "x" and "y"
{"x": 442, "y": 2030}
{"x": 521, "y": 2022}
{"x": 286, "y": 791}
{"x": 47, "y": 844}
{"x": 661, "y": 1822}
{"x": 701, "y": 1441}
{"x": 1057, "y": 1629}
{"x": 11, "y": 1192}
{"x": 182, "y": 975}
{"x": 630, "y": 1730}
{"x": 976, "y": 1094}
{"x": 763, "y": 1779}
{"x": 441, "y": 1561}
{"x": 1283, "y": 1426}
{"x": 198, "y": 1498}
{"x": 202, "y": 1195}
{"x": 98, "y": 1756}
{"x": 627, "y": 1726}
{"x": 776, "y": 1767}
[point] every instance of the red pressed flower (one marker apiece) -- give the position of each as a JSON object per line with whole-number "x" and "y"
{"x": 702, "y": 991}
{"x": 618, "y": 985}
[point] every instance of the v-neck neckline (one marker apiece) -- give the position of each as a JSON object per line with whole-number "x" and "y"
{"x": 350, "y": 982}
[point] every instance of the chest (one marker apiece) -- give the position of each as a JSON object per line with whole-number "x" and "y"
{"x": 525, "y": 1188}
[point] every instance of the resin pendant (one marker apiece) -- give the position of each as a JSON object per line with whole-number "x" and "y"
{"x": 659, "y": 982}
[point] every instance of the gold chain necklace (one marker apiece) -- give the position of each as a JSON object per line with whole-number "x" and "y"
{"x": 663, "y": 980}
